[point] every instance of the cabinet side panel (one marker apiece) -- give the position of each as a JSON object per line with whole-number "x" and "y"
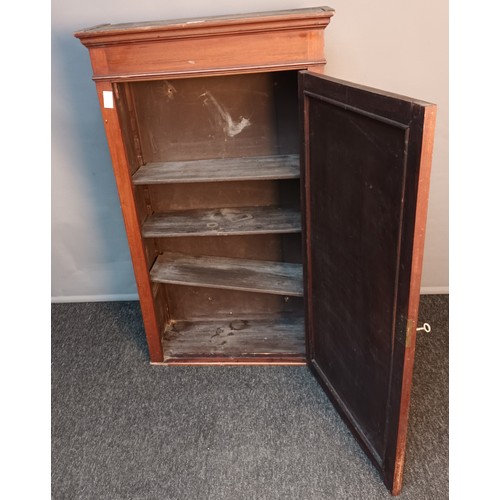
{"x": 129, "y": 131}
{"x": 143, "y": 208}
{"x": 125, "y": 107}
{"x": 132, "y": 226}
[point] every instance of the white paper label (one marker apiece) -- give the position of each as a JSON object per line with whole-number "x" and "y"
{"x": 107, "y": 97}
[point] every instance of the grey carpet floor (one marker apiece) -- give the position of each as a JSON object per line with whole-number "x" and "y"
{"x": 123, "y": 429}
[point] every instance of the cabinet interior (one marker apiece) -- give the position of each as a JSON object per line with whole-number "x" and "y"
{"x": 214, "y": 162}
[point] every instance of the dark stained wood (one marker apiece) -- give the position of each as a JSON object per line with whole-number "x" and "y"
{"x": 208, "y": 46}
{"x": 275, "y": 247}
{"x": 171, "y": 197}
{"x": 278, "y": 278}
{"x": 143, "y": 211}
{"x": 223, "y": 221}
{"x": 207, "y": 118}
{"x": 127, "y": 114}
{"x": 236, "y": 337}
{"x": 361, "y": 165}
{"x": 219, "y": 169}
{"x": 160, "y": 304}
{"x": 191, "y": 302}
{"x": 286, "y": 89}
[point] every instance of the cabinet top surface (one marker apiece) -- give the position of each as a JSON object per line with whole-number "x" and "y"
{"x": 237, "y": 19}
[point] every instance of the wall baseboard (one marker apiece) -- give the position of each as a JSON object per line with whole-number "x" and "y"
{"x": 426, "y": 290}
{"x": 435, "y": 290}
{"x": 95, "y": 298}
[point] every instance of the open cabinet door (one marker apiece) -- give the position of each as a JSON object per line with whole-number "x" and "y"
{"x": 366, "y": 159}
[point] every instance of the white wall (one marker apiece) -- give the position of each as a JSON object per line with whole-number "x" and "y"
{"x": 397, "y": 45}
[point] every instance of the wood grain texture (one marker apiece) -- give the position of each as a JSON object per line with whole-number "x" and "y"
{"x": 278, "y": 278}
{"x": 118, "y": 151}
{"x": 219, "y": 169}
{"x": 237, "y": 337}
{"x": 229, "y": 22}
{"x": 257, "y": 86}
{"x": 190, "y": 302}
{"x": 223, "y": 221}
{"x": 198, "y": 196}
{"x": 274, "y": 247}
{"x": 231, "y": 116}
{"x": 361, "y": 165}
{"x": 364, "y": 179}
{"x": 208, "y": 47}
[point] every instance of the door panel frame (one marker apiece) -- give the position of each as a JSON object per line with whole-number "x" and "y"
{"x": 417, "y": 118}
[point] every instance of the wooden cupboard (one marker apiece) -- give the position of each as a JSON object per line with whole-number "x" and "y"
{"x": 274, "y": 215}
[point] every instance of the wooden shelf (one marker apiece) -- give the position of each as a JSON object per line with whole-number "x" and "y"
{"x": 223, "y": 221}
{"x": 278, "y": 337}
{"x": 278, "y": 278}
{"x": 215, "y": 170}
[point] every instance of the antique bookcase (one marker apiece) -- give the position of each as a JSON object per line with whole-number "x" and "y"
{"x": 274, "y": 215}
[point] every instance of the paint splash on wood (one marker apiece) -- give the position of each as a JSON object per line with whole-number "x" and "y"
{"x": 224, "y": 119}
